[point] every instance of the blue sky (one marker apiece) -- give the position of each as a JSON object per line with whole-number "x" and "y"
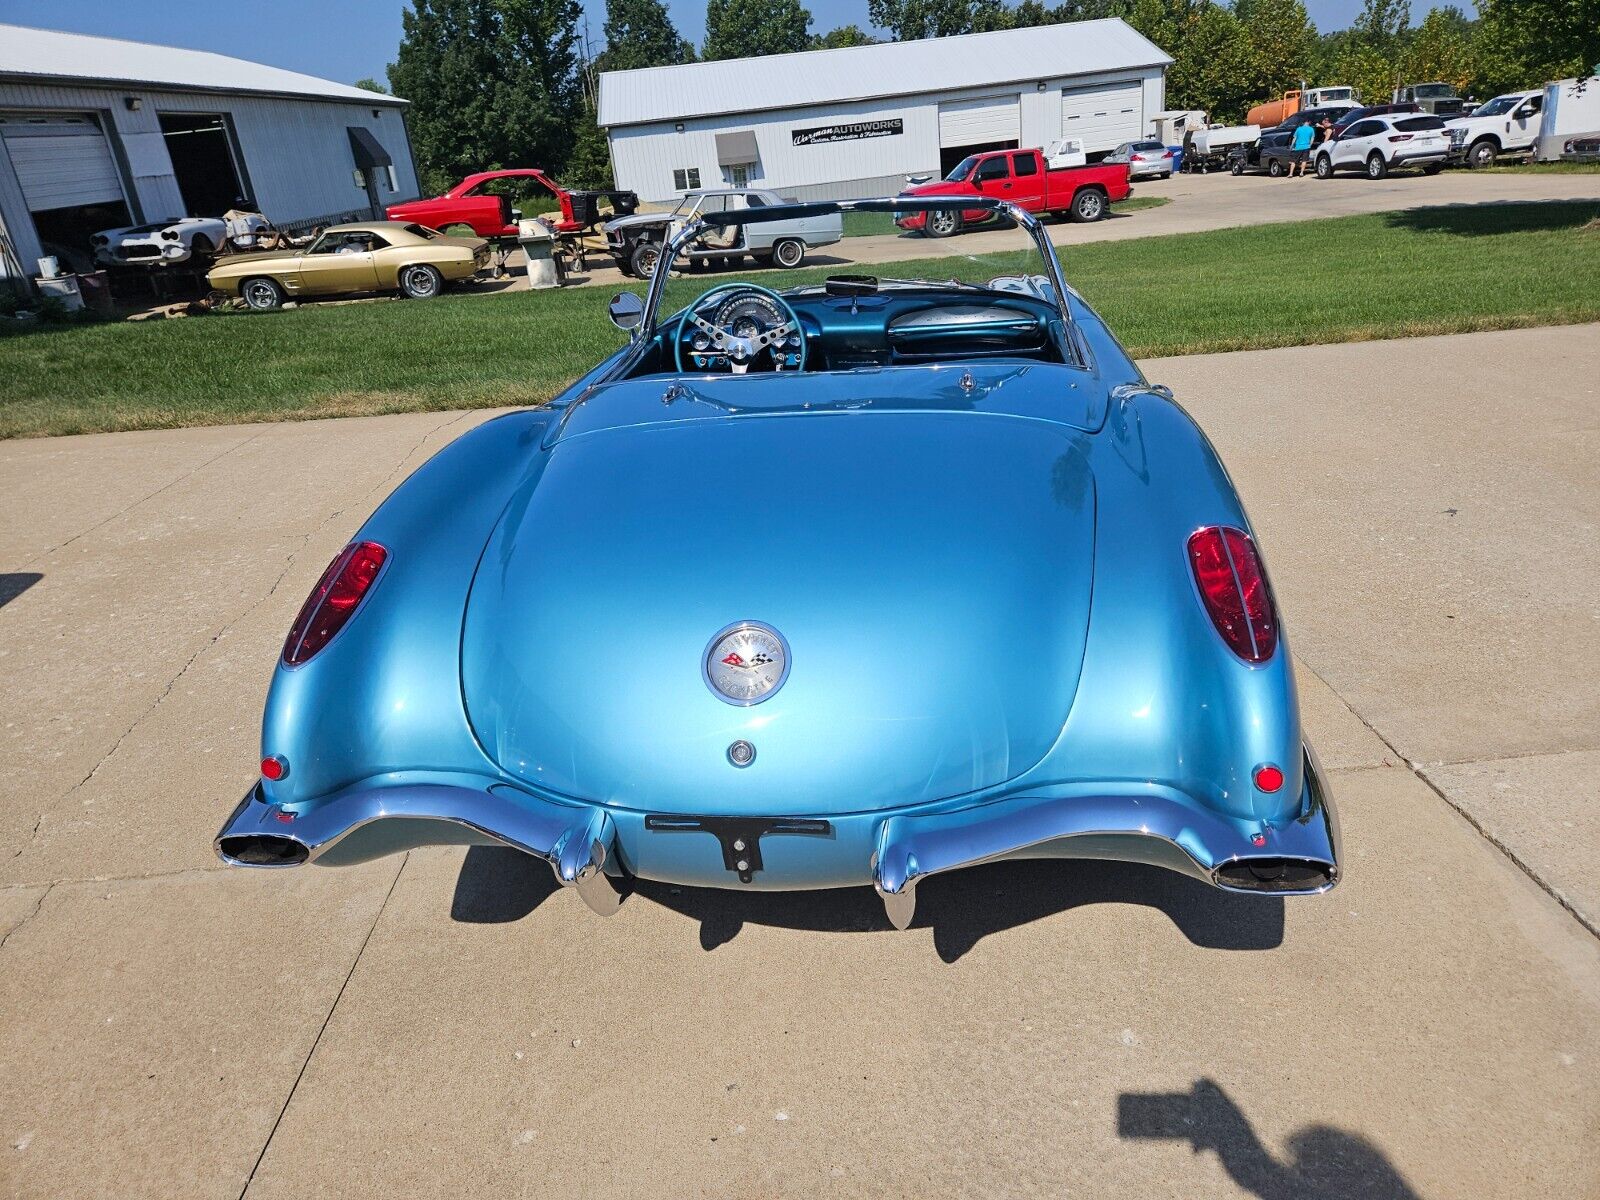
{"x": 347, "y": 39}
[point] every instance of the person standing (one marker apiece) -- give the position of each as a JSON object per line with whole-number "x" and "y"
{"x": 1301, "y": 148}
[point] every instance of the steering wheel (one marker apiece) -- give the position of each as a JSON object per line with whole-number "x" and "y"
{"x": 737, "y": 326}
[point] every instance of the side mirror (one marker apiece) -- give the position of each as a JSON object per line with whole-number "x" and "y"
{"x": 626, "y": 311}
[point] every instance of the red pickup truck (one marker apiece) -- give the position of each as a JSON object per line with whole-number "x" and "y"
{"x": 1022, "y": 177}
{"x": 483, "y": 201}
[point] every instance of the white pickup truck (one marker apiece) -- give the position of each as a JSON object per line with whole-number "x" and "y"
{"x": 1507, "y": 124}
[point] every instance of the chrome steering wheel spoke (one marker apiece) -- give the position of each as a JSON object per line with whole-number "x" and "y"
{"x": 738, "y": 333}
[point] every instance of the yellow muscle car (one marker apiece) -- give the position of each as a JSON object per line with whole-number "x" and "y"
{"x": 378, "y": 256}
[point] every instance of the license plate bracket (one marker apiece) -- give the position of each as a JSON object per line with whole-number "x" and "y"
{"x": 740, "y": 837}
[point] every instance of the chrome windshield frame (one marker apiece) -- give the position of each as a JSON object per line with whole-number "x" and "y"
{"x": 697, "y": 227}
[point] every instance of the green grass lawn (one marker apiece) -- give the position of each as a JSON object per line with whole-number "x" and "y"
{"x": 1138, "y": 203}
{"x": 869, "y": 224}
{"x": 1546, "y": 168}
{"x": 1350, "y": 278}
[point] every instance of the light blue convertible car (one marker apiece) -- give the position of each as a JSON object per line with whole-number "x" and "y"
{"x": 846, "y": 585}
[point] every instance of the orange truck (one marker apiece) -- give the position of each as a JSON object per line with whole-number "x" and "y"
{"x": 1273, "y": 113}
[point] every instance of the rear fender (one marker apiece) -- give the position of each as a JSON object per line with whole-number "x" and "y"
{"x": 1161, "y": 698}
{"x": 385, "y": 694}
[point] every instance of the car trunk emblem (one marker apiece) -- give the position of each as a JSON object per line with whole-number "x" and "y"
{"x": 745, "y": 663}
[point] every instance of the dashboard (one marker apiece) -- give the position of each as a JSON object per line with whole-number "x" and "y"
{"x": 739, "y": 328}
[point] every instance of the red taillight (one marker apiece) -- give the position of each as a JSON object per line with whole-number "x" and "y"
{"x": 1269, "y": 778}
{"x": 273, "y": 768}
{"x": 1235, "y": 591}
{"x": 333, "y": 600}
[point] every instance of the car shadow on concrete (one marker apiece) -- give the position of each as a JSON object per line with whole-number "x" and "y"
{"x": 13, "y": 584}
{"x": 498, "y": 884}
{"x": 1498, "y": 216}
{"x": 1323, "y": 1163}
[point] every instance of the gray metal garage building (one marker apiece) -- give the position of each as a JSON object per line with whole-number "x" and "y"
{"x": 97, "y": 132}
{"x": 833, "y": 123}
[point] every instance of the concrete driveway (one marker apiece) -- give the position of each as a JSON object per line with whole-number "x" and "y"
{"x": 443, "y": 1024}
{"x": 1205, "y": 202}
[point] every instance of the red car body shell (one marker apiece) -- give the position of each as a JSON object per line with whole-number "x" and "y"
{"x": 488, "y": 215}
{"x": 1039, "y": 190}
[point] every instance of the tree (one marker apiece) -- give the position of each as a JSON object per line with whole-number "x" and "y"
{"x": 492, "y": 83}
{"x": 446, "y": 56}
{"x": 589, "y": 164}
{"x": 539, "y": 89}
{"x": 1381, "y": 25}
{"x": 371, "y": 85}
{"x": 639, "y": 33}
{"x": 1214, "y": 70}
{"x": 1214, "y": 64}
{"x": 749, "y": 28}
{"x": 910, "y": 20}
{"x": 1370, "y": 55}
{"x": 1441, "y": 48}
{"x": 844, "y": 35}
{"x": 1282, "y": 44}
{"x": 1523, "y": 43}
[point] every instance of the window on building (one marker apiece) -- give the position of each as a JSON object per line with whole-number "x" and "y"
{"x": 685, "y": 178}
{"x": 739, "y": 174}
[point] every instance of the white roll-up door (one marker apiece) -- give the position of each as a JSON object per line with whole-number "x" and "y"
{"x": 1103, "y": 115}
{"x": 979, "y": 122}
{"x": 61, "y": 159}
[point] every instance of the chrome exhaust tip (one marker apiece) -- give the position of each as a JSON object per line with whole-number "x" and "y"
{"x": 262, "y": 850}
{"x": 577, "y": 842}
{"x": 1283, "y": 876}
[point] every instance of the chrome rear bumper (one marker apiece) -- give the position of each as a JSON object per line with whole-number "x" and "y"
{"x": 894, "y": 853}
{"x": 576, "y": 842}
{"x": 1300, "y": 858}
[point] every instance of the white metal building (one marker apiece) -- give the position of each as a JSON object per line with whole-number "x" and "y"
{"x": 828, "y": 124}
{"x": 97, "y": 132}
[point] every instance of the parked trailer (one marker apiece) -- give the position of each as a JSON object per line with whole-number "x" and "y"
{"x": 1571, "y": 115}
{"x": 1209, "y": 149}
{"x": 1170, "y": 127}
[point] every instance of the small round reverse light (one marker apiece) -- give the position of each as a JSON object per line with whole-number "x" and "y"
{"x": 274, "y": 767}
{"x": 1269, "y": 778}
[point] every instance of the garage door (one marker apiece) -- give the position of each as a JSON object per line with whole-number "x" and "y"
{"x": 979, "y": 122}
{"x": 61, "y": 159}
{"x": 1104, "y": 115}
